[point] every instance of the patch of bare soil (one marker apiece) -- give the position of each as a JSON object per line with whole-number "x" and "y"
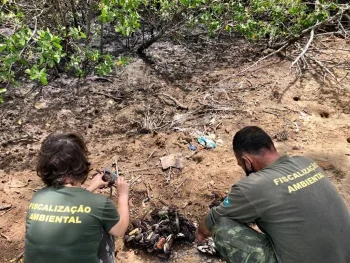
{"x": 152, "y": 110}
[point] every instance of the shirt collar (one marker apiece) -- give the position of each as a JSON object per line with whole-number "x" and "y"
{"x": 278, "y": 161}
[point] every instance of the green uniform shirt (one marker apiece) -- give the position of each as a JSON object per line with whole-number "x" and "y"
{"x": 64, "y": 225}
{"x": 296, "y": 205}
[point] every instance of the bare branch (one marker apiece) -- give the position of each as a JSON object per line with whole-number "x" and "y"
{"x": 256, "y": 63}
{"x": 178, "y": 104}
{"x": 305, "y": 48}
{"x": 314, "y": 27}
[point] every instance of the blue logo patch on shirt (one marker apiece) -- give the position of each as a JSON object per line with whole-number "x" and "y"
{"x": 226, "y": 202}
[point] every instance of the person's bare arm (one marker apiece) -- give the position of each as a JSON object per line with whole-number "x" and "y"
{"x": 123, "y": 208}
{"x": 96, "y": 183}
{"x": 202, "y": 231}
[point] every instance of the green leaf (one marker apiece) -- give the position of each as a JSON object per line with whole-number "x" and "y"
{"x": 33, "y": 77}
{"x": 43, "y": 80}
{"x": 22, "y": 42}
{"x": 57, "y": 45}
{"x": 83, "y": 35}
{"x": 2, "y": 90}
{"x": 51, "y": 63}
{"x": 2, "y": 47}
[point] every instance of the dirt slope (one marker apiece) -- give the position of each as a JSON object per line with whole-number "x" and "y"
{"x": 137, "y": 124}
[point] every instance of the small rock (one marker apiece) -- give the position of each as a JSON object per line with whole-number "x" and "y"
{"x": 171, "y": 160}
{"x": 268, "y": 51}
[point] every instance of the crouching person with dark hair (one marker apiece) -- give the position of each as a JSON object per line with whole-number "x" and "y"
{"x": 301, "y": 214}
{"x": 65, "y": 222}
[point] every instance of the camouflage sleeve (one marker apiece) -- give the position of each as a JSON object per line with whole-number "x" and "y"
{"x": 236, "y": 206}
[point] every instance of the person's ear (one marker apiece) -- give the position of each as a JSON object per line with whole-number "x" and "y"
{"x": 247, "y": 163}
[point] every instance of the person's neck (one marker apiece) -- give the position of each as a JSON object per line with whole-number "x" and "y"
{"x": 269, "y": 158}
{"x": 77, "y": 185}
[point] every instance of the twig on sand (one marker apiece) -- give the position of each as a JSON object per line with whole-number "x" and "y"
{"x": 27, "y": 139}
{"x": 192, "y": 154}
{"x": 147, "y": 189}
{"x": 6, "y": 211}
{"x": 6, "y": 237}
{"x": 107, "y": 95}
{"x": 96, "y": 78}
{"x": 19, "y": 257}
{"x": 5, "y": 207}
{"x": 179, "y": 186}
{"x": 138, "y": 170}
{"x": 320, "y": 64}
{"x": 178, "y": 104}
{"x": 150, "y": 156}
{"x": 135, "y": 180}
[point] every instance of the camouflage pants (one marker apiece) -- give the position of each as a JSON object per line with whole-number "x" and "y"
{"x": 238, "y": 243}
{"x": 106, "y": 248}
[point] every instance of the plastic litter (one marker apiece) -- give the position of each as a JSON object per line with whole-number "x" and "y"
{"x": 206, "y": 143}
{"x": 211, "y": 136}
{"x": 219, "y": 142}
{"x": 192, "y": 147}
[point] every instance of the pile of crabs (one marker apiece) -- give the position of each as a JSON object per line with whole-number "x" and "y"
{"x": 165, "y": 228}
{"x": 159, "y": 233}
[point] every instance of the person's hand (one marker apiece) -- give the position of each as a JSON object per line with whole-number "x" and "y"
{"x": 199, "y": 236}
{"x": 122, "y": 186}
{"x": 97, "y": 183}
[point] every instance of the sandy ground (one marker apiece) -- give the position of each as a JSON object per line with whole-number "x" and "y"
{"x": 311, "y": 113}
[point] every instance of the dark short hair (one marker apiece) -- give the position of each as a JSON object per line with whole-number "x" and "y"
{"x": 252, "y": 140}
{"x": 63, "y": 156}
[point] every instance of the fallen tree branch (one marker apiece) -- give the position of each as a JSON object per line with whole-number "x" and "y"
{"x": 318, "y": 25}
{"x": 305, "y": 48}
{"x": 253, "y": 65}
{"x": 178, "y": 104}
{"x": 150, "y": 42}
{"x": 320, "y": 64}
{"x": 141, "y": 49}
